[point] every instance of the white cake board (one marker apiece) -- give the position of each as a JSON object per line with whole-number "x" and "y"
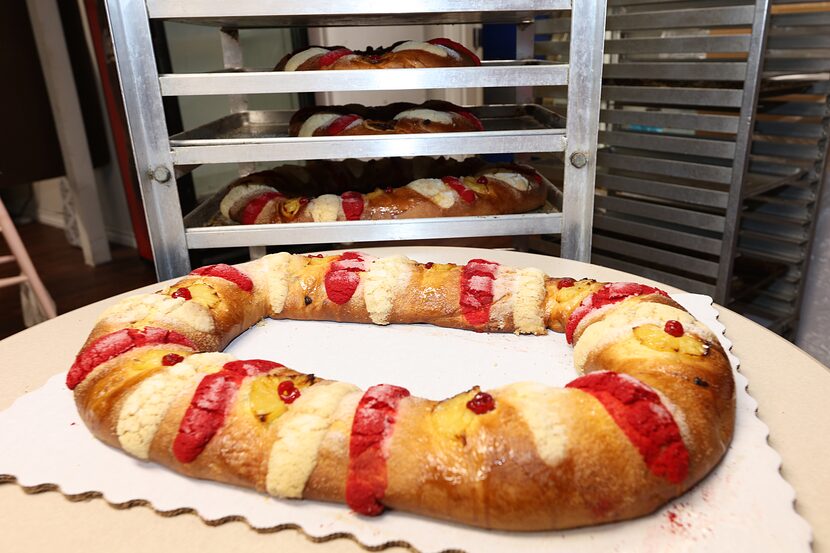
{"x": 744, "y": 505}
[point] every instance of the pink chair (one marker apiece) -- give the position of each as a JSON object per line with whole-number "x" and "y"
{"x": 28, "y": 274}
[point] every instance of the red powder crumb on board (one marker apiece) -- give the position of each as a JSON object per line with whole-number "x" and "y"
{"x": 674, "y": 520}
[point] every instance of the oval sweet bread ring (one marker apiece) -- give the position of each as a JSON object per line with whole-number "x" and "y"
{"x": 651, "y": 414}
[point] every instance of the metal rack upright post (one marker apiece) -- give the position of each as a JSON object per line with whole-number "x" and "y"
{"x": 160, "y": 158}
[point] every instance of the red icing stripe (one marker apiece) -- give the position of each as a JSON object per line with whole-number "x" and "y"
{"x": 374, "y": 422}
{"x": 333, "y": 56}
{"x": 255, "y": 206}
{"x": 343, "y": 277}
{"x": 352, "y": 205}
{"x": 472, "y": 119}
{"x": 641, "y": 415}
{"x": 477, "y": 290}
{"x": 340, "y": 124}
{"x": 610, "y": 293}
{"x": 465, "y": 193}
{"x": 209, "y": 406}
{"x": 228, "y": 273}
{"x": 111, "y": 345}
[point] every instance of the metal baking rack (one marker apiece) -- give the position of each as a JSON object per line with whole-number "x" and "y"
{"x": 161, "y": 159}
{"x": 713, "y": 148}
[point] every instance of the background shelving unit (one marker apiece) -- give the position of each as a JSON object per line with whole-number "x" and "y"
{"x": 713, "y": 141}
{"x": 161, "y": 159}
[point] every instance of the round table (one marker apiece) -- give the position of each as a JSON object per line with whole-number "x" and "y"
{"x": 790, "y": 386}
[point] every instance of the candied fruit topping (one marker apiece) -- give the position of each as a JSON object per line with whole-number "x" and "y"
{"x": 613, "y": 292}
{"x": 428, "y": 265}
{"x": 231, "y": 274}
{"x": 674, "y": 328}
{"x": 341, "y": 124}
{"x": 476, "y": 299}
{"x": 372, "y": 428}
{"x": 182, "y": 293}
{"x": 641, "y": 415}
{"x": 467, "y": 195}
{"x": 352, "y": 205}
{"x": 288, "y": 392}
{"x": 343, "y": 277}
{"x": 481, "y": 180}
{"x": 565, "y": 283}
{"x": 481, "y": 403}
{"x": 171, "y": 359}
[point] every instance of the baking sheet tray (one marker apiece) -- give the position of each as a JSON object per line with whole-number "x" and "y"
{"x": 744, "y": 505}
{"x": 263, "y": 126}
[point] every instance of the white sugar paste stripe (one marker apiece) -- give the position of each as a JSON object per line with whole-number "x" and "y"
{"x": 625, "y": 316}
{"x": 538, "y": 405}
{"x": 386, "y": 278}
{"x": 529, "y": 299}
{"x": 301, "y": 431}
{"x": 144, "y": 409}
{"x": 239, "y": 193}
{"x": 436, "y": 116}
{"x": 326, "y": 208}
{"x": 425, "y": 46}
{"x": 301, "y": 57}
{"x": 317, "y": 121}
{"x": 504, "y": 289}
{"x": 435, "y": 190}
{"x": 149, "y": 309}
{"x": 277, "y": 279}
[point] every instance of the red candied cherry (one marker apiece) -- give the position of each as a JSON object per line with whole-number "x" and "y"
{"x": 674, "y": 328}
{"x": 388, "y": 189}
{"x": 303, "y": 200}
{"x": 428, "y": 265}
{"x": 481, "y": 180}
{"x": 565, "y": 283}
{"x": 481, "y": 403}
{"x": 287, "y": 391}
{"x": 182, "y": 293}
{"x": 172, "y": 358}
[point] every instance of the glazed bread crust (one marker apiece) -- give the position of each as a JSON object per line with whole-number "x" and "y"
{"x": 422, "y": 55}
{"x": 490, "y": 190}
{"x": 652, "y": 414}
{"x": 433, "y": 116}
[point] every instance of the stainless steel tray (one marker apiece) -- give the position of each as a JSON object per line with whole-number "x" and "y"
{"x": 528, "y": 72}
{"x": 316, "y": 13}
{"x": 205, "y": 227}
{"x": 262, "y": 136}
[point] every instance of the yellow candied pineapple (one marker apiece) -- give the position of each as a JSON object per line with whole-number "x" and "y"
{"x": 453, "y": 417}
{"x": 133, "y": 367}
{"x": 289, "y": 208}
{"x": 271, "y": 395}
{"x": 478, "y": 185}
{"x": 658, "y": 339}
{"x": 377, "y": 192}
{"x": 199, "y": 291}
{"x": 578, "y": 289}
